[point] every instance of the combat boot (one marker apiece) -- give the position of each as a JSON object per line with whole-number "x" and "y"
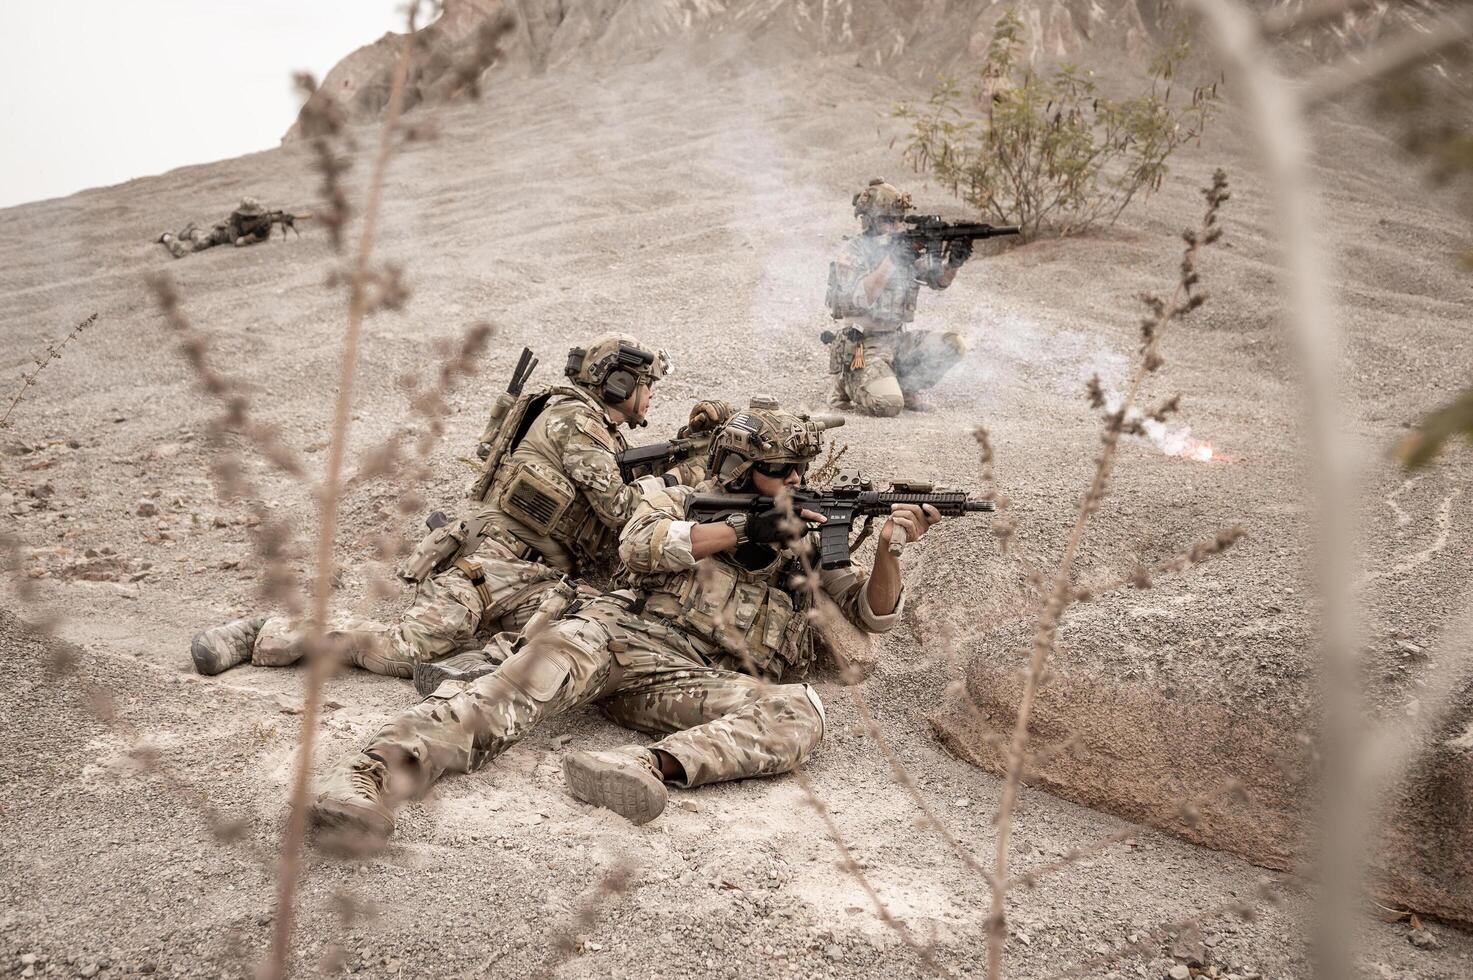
{"x": 626, "y": 780}
{"x": 350, "y": 807}
{"x": 428, "y": 676}
{"x": 222, "y": 647}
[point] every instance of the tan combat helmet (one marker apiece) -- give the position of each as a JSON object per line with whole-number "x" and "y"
{"x": 249, "y": 207}
{"x": 880, "y": 200}
{"x": 613, "y": 366}
{"x": 763, "y": 433}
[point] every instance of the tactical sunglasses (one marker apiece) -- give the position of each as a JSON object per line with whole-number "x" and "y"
{"x": 780, "y": 471}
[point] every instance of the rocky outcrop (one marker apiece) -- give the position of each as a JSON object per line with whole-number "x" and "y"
{"x": 1225, "y": 776}
{"x": 911, "y": 36}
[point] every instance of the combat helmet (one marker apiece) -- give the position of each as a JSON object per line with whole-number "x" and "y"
{"x": 880, "y": 200}
{"x": 764, "y": 433}
{"x": 249, "y": 207}
{"x": 613, "y": 366}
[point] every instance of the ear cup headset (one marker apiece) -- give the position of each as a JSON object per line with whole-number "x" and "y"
{"x": 617, "y": 375}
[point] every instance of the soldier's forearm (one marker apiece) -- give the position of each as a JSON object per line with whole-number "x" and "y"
{"x": 883, "y": 588}
{"x": 709, "y": 539}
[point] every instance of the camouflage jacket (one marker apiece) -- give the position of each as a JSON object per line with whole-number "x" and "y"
{"x": 895, "y": 306}
{"x": 238, "y": 226}
{"x": 559, "y": 493}
{"x": 748, "y": 619}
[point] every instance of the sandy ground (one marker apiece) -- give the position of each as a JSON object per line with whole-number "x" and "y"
{"x": 693, "y": 201}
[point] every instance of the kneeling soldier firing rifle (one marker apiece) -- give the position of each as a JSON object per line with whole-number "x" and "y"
{"x": 695, "y": 649}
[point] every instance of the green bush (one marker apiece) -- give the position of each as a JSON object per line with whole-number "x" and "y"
{"x": 1051, "y": 152}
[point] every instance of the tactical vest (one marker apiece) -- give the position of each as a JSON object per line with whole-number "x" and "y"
{"x": 531, "y": 498}
{"x": 894, "y": 307}
{"x": 753, "y": 624}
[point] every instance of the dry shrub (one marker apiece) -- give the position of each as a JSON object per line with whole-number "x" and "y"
{"x": 1052, "y": 151}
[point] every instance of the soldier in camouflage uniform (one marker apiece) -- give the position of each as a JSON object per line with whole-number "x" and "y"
{"x": 694, "y": 651}
{"x": 878, "y": 365}
{"x": 554, "y": 507}
{"x": 248, "y": 224}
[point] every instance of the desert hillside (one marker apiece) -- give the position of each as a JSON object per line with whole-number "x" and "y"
{"x": 687, "y": 181}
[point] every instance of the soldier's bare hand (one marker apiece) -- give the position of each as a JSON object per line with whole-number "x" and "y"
{"x": 913, "y": 519}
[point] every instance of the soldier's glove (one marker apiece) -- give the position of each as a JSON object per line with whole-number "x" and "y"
{"x": 708, "y": 415}
{"x": 776, "y": 526}
{"x": 957, "y": 252}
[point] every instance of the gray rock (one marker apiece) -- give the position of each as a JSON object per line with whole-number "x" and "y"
{"x": 1423, "y": 939}
{"x": 147, "y": 508}
{"x": 1179, "y": 972}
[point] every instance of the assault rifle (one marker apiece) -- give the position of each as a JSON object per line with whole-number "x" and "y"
{"x": 659, "y": 457}
{"x": 288, "y": 219}
{"x": 850, "y": 497}
{"x": 526, "y": 364}
{"x": 927, "y": 232}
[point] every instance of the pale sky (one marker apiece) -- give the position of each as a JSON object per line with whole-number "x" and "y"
{"x": 96, "y": 92}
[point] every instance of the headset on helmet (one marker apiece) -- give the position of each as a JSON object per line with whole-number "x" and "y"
{"x": 764, "y": 433}
{"x": 614, "y": 366}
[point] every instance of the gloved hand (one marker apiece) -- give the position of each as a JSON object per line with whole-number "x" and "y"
{"x": 957, "y": 252}
{"x": 780, "y": 526}
{"x": 708, "y": 415}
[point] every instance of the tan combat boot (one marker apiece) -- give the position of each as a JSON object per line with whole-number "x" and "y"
{"x": 350, "y": 807}
{"x": 222, "y": 647}
{"x": 462, "y": 667}
{"x": 626, "y": 780}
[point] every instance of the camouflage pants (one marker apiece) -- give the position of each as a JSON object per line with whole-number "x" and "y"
{"x": 448, "y": 613}
{"x": 719, "y": 724}
{"x": 192, "y": 239}
{"x": 897, "y": 364}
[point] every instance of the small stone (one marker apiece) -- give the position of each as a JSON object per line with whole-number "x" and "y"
{"x": 90, "y": 970}
{"x": 27, "y": 959}
{"x": 961, "y": 802}
{"x": 1179, "y": 972}
{"x": 833, "y": 952}
{"x": 1423, "y": 939}
{"x": 558, "y": 741}
{"x": 147, "y": 508}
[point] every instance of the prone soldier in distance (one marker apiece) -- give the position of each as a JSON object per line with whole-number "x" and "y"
{"x": 248, "y": 224}
{"x": 705, "y": 646}
{"x": 549, "y": 506}
{"x": 878, "y": 365}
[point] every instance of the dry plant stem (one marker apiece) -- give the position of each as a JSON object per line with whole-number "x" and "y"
{"x": 908, "y": 783}
{"x": 1411, "y": 47}
{"x": 53, "y": 353}
{"x": 321, "y": 661}
{"x": 854, "y": 869}
{"x": 1059, "y": 598}
{"x": 1279, "y": 124}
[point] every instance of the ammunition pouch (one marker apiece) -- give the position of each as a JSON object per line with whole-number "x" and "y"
{"x": 752, "y": 623}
